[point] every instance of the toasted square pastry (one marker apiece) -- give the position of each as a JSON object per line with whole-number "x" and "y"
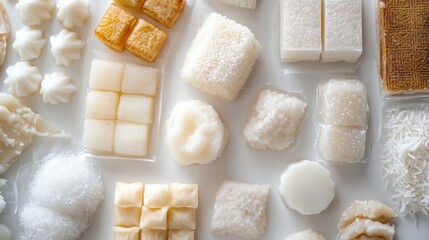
{"x": 114, "y": 27}
{"x": 145, "y": 41}
{"x": 164, "y": 11}
{"x": 132, "y": 4}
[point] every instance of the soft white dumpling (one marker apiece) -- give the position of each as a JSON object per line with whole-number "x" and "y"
{"x": 35, "y": 12}
{"x": 28, "y": 43}
{"x": 57, "y": 88}
{"x": 23, "y": 79}
{"x": 66, "y": 47}
{"x": 72, "y": 13}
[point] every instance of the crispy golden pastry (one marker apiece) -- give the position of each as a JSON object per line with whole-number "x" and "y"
{"x": 114, "y": 27}
{"x": 132, "y": 4}
{"x": 145, "y": 41}
{"x": 404, "y": 46}
{"x": 164, "y": 11}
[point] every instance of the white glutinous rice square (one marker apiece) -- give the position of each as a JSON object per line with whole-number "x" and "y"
{"x": 136, "y": 108}
{"x": 221, "y": 57}
{"x": 131, "y": 139}
{"x": 129, "y": 194}
{"x": 106, "y": 75}
{"x": 275, "y": 120}
{"x": 101, "y": 105}
{"x": 120, "y": 233}
{"x": 152, "y": 234}
{"x": 127, "y": 217}
{"x": 181, "y": 218}
{"x": 240, "y": 209}
{"x": 184, "y": 195}
{"x": 140, "y": 79}
{"x": 154, "y": 218}
{"x": 98, "y": 135}
{"x": 342, "y": 30}
{"x": 343, "y": 102}
{"x": 241, "y": 3}
{"x": 300, "y": 30}
{"x": 341, "y": 144}
{"x": 156, "y": 195}
{"x": 181, "y": 235}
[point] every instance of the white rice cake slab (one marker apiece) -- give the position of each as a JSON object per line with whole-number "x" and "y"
{"x": 241, "y": 3}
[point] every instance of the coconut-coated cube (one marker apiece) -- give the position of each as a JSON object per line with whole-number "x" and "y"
{"x": 154, "y": 218}
{"x": 156, "y": 195}
{"x": 131, "y": 139}
{"x": 98, "y": 135}
{"x": 120, "y": 233}
{"x": 152, "y": 234}
{"x": 129, "y": 194}
{"x": 136, "y": 108}
{"x": 181, "y": 235}
{"x": 106, "y": 75}
{"x": 181, "y": 218}
{"x": 184, "y": 195}
{"x": 140, "y": 80}
{"x": 127, "y": 217}
{"x": 101, "y": 105}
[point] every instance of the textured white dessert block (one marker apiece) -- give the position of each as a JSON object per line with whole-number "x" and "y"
{"x": 101, "y": 105}
{"x": 120, "y": 233}
{"x": 241, "y": 3}
{"x": 129, "y": 194}
{"x": 106, "y": 75}
{"x": 181, "y": 218}
{"x": 131, "y": 139}
{"x": 342, "y": 30}
{"x": 300, "y": 30}
{"x": 341, "y": 144}
{"x": 184, "y": 195}
{"x": 127, "y": 217}
{"x": 98, "y": 135}
{"x": 151, "y": 234}
{"x": 140, "y": 79}
{"x": 221, "y": 57}
{"x": 343, "y": 102}
{"x": 181, "y": 235}
{"x": 156, "y": 195}
{"x": 136, "y": 108}
{"x": 154, "y": 218}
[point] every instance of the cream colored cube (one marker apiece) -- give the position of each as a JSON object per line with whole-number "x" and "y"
{"x": 127, "y": 217}
{"x": 154, "y": 218}
{"x": 98, "y": 135}
{"x": 106, "y": 75}
{"x": 131, "y": 139}
{"x": 129, "y": 194}
{"x": 136, "y": 108}
{"x": 120, "y": 233}
{"x": 151, "y": 234}
{"x": 181, "y": 235}
{"x": 140, "y": 80}
{"x": 101, "y": 105}
{"x": 156, "y": 195}
{"x": 181, "y": 218}
{"x": 184, "y": 195}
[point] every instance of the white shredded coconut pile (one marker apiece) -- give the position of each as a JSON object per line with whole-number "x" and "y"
{"x": 405, "y": 158}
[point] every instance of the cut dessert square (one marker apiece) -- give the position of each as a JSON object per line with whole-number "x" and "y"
{"x": 151, "y": 234}
{"x": 145, "y": 41}
{"x": 136, "y": 108}
{"x": 241, "y": 3}
{"x": 164, "y": 11}
{"x": 132, "y": 4}
{"x": 131, "y": 139}
{"x": 105, "y": 75}
{"x": 181, "y": 218}
{"x": 98, "y": 135}
{"x": 154, "y": 218}
{"x": 140, "y": 80}
{"x": 181, "y": 235}
{"x": 127, "y": 217}
{"x": 184, "y": 195}
{"x": 101, "y": 105}
{"x": 156, "y": 195}
{"x": 120, "y": 233}
{"x": 129, "y": 194}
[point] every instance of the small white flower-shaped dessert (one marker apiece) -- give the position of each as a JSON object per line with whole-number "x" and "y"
{"x": 72, "y": 13}
{"x": 23, "y": 79}
{"x": 66, "y": 47}
{"x": 57, "y": 88}
{"x": 28, "y": 43}
{"x": 35, "y": 12}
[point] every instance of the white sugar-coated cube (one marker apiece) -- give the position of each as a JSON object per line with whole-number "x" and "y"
{"x": 106, "y": 75}
{"x": 241, "y": 3}
{"x": 341, "y": 144}
{"x": 343, "y": 102}
{"x": 140, "y": 79}
{"x": 342, "y": 30}
{"x": 154, "y": 218}
{"x": 151, "y": 234}
{"x": 184, "y": 195}
{"x": 129, "y": 194}
{"x": 300, "y": 30}
{"x": 156, "y": 195}
{"x": 181, "y": 218}
{"x": 136, "y": 108}
{"x": 131, "y": 139}
{"x": 127, "y": 217}
{"x": 120, "y": 233}
{"x": 101, "y": 105}
{"x": 98, "y": 135}
{"x": 181, "y": 235}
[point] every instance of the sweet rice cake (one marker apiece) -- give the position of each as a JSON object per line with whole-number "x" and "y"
{"x": 164, "y": 11}
{"x": 404, "y": 41}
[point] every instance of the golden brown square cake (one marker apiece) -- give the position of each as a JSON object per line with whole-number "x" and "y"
{"x": 114, "y": 27}
{"x": 132, "y": 4}
{"x": 404, "y": 41}
{"x": 164, "y": 11}
{"x": 145, "y": 41}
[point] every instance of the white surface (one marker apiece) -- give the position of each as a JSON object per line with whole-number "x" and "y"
{"x": 361, "y": 181}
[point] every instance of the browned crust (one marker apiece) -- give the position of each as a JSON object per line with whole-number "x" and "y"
{"x": 164, "y": 11}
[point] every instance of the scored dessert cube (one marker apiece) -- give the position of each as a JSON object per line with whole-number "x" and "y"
{"x": 129, "y": 194}
{"x": 181, "y": 218}
{"x": 164, "y": 11}
{"x": 114, "y": 27}
{"x": 120, "y": 233}
{"x": 101, "y": 105}
{"x": 140, "y": 80}
{"x": 184, "y": 195}
{"x": 98, "y": 135}
{"x": 145, "y": 41}
{"x": 154, "y": 218}
{"x": 105, "y": 75}
{"x": 127, "y": 217}
{"x": 131, "y": 139}
{"x": 136, "y": 108}
{"x": 181, "y": 235}
{"x": 156, "y": 195}
{"x": 151, "y": 234}
{"x": 132, "y": 4}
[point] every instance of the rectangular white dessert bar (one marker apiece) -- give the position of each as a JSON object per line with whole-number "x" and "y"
{"x": 241, "y": 3}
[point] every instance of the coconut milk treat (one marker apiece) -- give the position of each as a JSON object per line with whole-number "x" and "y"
{"x": 300, "y": 30}
{"x": 221, "y": 57}
{"x": 342, "y": 30}
{"x": 241, "y": 3}
{"x": 305, "y": 235}
{"x": 307, "y": 187}
{"x": 195, "y": 133}
{"x": 275, "y": 120}
{"x": 240, "y": 209}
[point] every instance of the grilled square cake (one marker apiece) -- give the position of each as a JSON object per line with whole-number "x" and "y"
{"x": 164, "y": 11}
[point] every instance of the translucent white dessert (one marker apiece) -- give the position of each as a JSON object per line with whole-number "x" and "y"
{"x": 153, "y": 234}
{"x": 131, "y": 139}
{"x": 57, "y": 88}
{"x": 184, "y": 195}
{"x": 181, "y": 235}
{"x": 154, "y": 218}
{"x": 72, "y": 13}
{"x": 156, "y": 195}
{"x": 23, "y": 79}
{"x": 129, "y": 194}
{"x": 305, "y": 235}
{"x": 127, "y": 217}
{"x": 106, "y": 75}
{"x": 101, "y": 105}
{"x": 35, "y": 12}
{"x": 66, "y": 47}
{"x": 98, "y": 135}
{"x": 181, "y": 218}
{"x": 139, "y": 79}
{"x": 28, "y": 43}
{"x": 136, "y": 108}
{"x": 132, "y": 233}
